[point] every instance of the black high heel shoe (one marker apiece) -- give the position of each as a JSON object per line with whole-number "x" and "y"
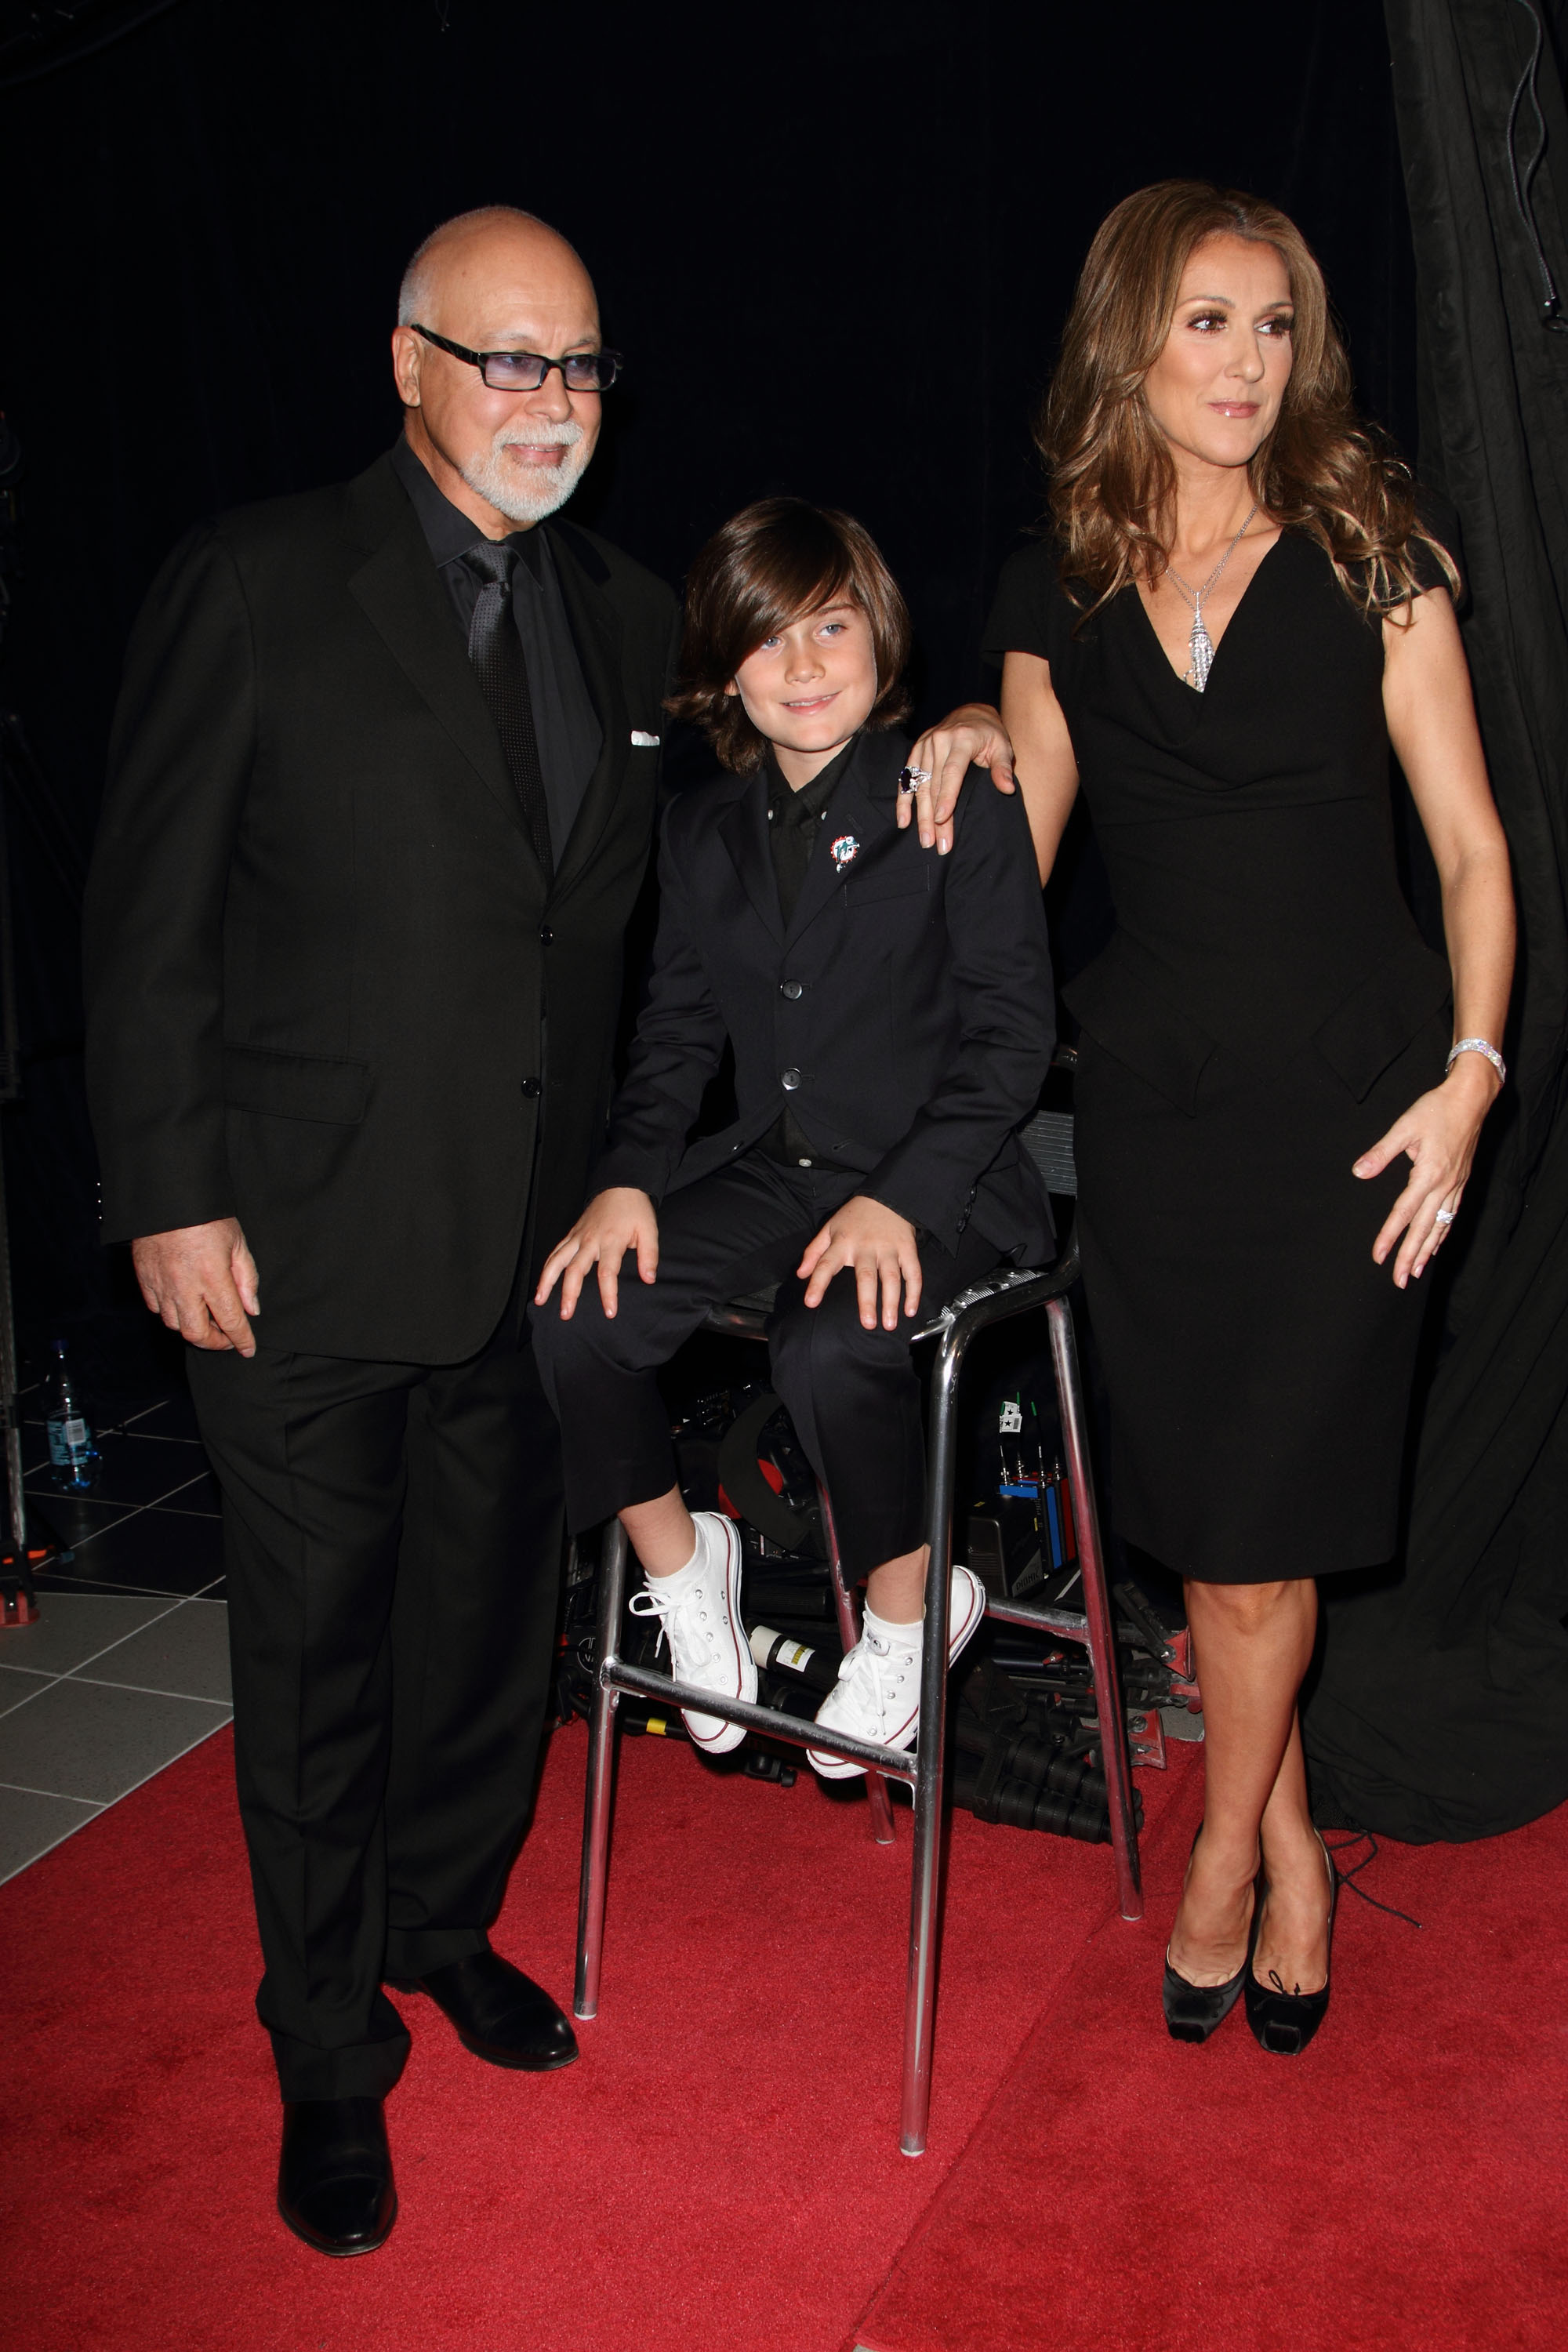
{"x": 1285, "y": 2022}
{"x": 1193, "y": 2011}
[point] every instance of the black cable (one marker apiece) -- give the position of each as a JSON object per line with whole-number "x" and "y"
{"x": 1521, "y": 180}
{"x": 1348, "y": 1877}
{"x": 86, "y": 48}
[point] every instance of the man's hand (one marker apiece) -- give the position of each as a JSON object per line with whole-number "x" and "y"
{"x": 613, "y": 1223}
{"x": 201, "y": 1279}
{"x": 880, "y": 1246}
{"x": 970, "y": 737}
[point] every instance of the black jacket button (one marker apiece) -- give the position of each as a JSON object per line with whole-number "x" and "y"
{"x": 545, "y": 935}
{"x": 531, "y": 1088}
{"x": 789, "y": 1080}
{"x": 792, "y": 988}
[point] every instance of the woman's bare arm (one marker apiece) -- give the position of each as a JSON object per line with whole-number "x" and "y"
{"x": 1432, "y": 726}
{"x": 1042, "y": 752}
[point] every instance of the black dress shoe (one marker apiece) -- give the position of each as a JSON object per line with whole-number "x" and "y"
{"x": 335, "y": 2177}
{"x": 501, "y": 2014}
{"x": 1193, "y": 2011}
{"x": 1281, "y": 2021}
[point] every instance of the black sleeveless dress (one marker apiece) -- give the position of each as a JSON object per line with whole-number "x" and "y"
{"x": 1265, "y": 1011}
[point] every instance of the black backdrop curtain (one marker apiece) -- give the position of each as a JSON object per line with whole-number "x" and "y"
{"x": 837, "y": 250}
{"x": 1442, "y": 1707}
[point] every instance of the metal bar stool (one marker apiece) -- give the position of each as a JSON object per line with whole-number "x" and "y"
{"x": 1007, "y": 1293}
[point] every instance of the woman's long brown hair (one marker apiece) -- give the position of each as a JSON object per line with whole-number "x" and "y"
{"x": 1319, "y": 472}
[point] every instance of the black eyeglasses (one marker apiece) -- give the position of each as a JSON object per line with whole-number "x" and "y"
{"x": 526, "y": 371}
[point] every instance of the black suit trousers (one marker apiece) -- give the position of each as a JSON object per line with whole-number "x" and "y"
{"x": 853, "y": 1395}
{"x": 392, "y": 1538}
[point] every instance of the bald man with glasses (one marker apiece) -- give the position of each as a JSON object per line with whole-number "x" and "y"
{"x": 381, "y": 791}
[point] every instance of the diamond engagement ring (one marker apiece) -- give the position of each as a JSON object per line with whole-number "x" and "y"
{"x": 911, "y": 778}
{"x": 1445, "y": 1216}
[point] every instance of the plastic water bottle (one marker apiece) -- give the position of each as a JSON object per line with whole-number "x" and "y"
{"x": 73, "y": 1458}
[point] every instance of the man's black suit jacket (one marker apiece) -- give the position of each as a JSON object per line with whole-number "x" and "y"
{"x": 331, "y": 990}
{"x": 905, "y": 1013}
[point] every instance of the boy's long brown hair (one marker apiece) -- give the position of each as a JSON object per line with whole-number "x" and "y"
{"x": 775, "y": 561}
{"x": 1112, "y": 484}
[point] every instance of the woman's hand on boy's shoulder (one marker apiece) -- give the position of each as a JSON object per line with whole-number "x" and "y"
{"x": 880, "y": 1246}
{"x": 973, "y": 736}
{"x": 613, "y": 1223}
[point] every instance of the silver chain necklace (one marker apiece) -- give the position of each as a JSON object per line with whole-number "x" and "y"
{"x": 1199, "y": 644}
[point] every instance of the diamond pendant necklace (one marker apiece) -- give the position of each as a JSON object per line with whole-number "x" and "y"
{"x": 1199, "y": 644}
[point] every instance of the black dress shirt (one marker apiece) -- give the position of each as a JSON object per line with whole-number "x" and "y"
{"x": 565, "y": 723}
{"x": 795, "y": 822}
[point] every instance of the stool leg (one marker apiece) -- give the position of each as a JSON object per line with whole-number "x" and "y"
{"x": 1098, "y": 1610}
{"x": 919, "y": 2005}
{"x": 849, "y": 1635}
{"x": 601, "y": 1778}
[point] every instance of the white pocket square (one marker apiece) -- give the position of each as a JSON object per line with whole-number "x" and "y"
{"x": 641, "y": 743}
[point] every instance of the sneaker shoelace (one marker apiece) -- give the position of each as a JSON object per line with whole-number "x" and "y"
{"x": 874, "y": 1676}
{"x": 682, "y": 1619}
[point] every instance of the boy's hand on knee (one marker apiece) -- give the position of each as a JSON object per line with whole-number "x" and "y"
{"x": 879, "y": 1245}
{"x": 613, "y": 1223}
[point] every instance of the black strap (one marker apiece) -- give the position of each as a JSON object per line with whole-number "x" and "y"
{"x": 743, "y": 1482}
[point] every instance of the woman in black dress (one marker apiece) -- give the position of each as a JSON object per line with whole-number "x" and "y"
{"x": 1271, "y": 1147}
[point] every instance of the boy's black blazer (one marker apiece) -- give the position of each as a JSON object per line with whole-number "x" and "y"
{"x": 906, "y": 1016}
{"x": 320, "y": 951}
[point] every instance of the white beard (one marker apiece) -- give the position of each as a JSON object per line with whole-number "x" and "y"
{"x": 527, "y": 494}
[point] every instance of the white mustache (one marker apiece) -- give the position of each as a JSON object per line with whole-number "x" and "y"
{"x": 563, "y": 433}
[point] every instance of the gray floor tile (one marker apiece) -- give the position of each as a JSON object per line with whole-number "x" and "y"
{"x": 16, "y": 1685}
{"x": 155, "y": 1551}
{"x": 199, "y": 1494}
{"x": 185, "y": 1652}
{"x": 81, "y": 1739}
{"x": 74, "y": 1518}
{"x": 73, "y": 1627}
{"x": 65, "y": 1581}
{"x": 132, "y": 1470}
{"x": 30, "y": 1824}
{"x": 174, "y": 1417}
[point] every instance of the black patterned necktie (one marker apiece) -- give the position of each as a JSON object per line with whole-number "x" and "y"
{"x": 496, "y": 652}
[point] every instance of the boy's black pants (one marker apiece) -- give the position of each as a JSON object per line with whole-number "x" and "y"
{"x": 852, "y": 1394}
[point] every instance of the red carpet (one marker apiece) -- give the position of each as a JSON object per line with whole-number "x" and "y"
{"x": 720, "y": 2171}
{"x": 1401, "y": 2185}
{"x": 1089, "y": 2185}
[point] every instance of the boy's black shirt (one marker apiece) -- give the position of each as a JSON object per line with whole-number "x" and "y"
{"x": 795, "y": 821}
{"x": 903, "y": 1014}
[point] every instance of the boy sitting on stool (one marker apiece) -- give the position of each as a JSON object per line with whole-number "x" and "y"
{"x": 891, "y": 1012}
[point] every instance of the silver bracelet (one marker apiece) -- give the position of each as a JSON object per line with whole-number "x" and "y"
{"x": 1479, "y": 1045}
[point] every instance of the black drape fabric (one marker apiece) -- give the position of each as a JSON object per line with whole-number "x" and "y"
{"x": 247, "y": 146}
{"x": 1441, "y": 1707}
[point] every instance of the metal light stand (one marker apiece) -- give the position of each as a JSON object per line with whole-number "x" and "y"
{"x": 19, "y": 1562}
{"x": 19, "y": 1596}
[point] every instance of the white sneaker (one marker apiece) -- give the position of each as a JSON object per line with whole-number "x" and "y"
{"x": 699, "y": 1612}
{"x": 878, "y": 1695}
